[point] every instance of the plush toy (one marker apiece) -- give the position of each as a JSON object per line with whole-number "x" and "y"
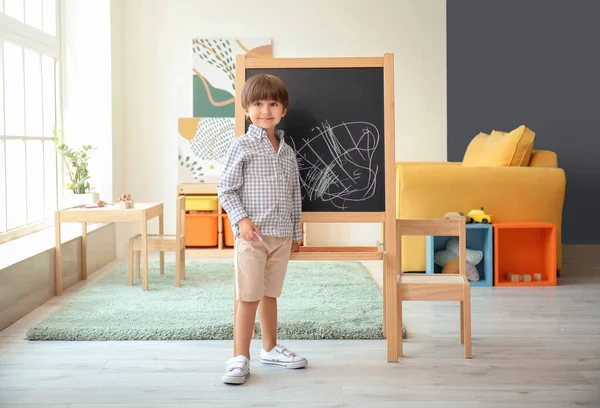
{"x": 473, "y": 256}
{"x": 452, "y": 267}
{"x": 448, "y": 259}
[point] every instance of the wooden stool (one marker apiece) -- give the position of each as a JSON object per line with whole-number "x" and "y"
{"x": 436, "y": 287}
{"x": 164, "y": 242}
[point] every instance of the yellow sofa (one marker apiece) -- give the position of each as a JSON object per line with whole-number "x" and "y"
{"x": 534, "y": 190}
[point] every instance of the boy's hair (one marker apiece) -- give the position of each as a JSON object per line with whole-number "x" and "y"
{"x": 264, "y": 87}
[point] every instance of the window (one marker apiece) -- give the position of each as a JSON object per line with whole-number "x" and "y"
{"x": 29, "y": 111}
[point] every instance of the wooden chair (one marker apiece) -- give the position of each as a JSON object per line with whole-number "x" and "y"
{"x": 157, "y": 242}
{"x": 437, "y": 287}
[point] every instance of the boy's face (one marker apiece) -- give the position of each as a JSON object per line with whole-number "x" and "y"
{"x": 265, "y": 113}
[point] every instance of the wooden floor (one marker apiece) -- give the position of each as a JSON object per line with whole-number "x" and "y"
{"x": 532, "y": 347}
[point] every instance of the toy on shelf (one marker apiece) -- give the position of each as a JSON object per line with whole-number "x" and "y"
{"x": 525, "y": 277}
{"x": 125, "y": 201}
{"x": 454, "y": 215}
{"x": 448, "y": 260}
{"x": 479, "y": 216}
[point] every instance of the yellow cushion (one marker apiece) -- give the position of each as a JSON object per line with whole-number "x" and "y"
{"x": 474, "y": 150}
{"x": 508, "y": 149}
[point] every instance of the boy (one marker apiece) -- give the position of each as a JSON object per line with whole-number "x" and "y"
{"x": 260, "y": 191}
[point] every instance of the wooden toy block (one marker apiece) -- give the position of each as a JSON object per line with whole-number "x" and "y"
{"x": 527, "y": 277}
{"x": 537, "y": 277}
{"x": 512, "y": 277}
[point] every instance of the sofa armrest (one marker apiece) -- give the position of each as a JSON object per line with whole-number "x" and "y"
{"x": 543, "y": 158}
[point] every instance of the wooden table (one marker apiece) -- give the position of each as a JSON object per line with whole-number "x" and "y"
{"x": 142, "y": 212}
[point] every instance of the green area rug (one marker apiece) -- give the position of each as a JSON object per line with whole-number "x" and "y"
{"x": 320, "y": 300}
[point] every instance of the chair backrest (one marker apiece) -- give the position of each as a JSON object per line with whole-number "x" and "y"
{"x": 436, "y": 227}
{"x": 180, "y": 221}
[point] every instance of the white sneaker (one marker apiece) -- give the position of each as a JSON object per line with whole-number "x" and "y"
{"x": 238, "y": 369}
{"x": 281, "y": 356}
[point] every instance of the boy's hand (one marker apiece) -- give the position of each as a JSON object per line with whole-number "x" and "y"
{"x": 295, "y": 247}
{"x": 248, "y": 230}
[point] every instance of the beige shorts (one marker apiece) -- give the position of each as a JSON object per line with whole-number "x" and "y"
{"x": 260, "y": 267}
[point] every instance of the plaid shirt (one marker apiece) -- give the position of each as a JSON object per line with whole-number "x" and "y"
{"x": 262, "y": 184}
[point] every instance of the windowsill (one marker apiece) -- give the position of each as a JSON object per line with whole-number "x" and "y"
{"x": 23, "y": 248}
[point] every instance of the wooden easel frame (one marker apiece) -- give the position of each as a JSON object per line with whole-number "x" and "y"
{"x": 387, "y": 218}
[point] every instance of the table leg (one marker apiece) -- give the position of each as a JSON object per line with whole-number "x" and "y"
{"x": 145, "y": 250}
{"x": 161, "y": 231}
{"x": 84, "y": 273}
{"x": 57, "y": 258}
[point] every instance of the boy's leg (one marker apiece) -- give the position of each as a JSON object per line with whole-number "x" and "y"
{"x": 279, "y": 250}
{"x": 244, "y": 326}
{"x": 249, "y": 262}
{"x": 277, "y": 261}
{"x": 267, "y": 314}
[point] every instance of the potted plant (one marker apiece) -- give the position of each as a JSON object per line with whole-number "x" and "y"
{"x": 76, "y": 164}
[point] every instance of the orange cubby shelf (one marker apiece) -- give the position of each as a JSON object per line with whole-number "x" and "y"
{"x": 227, "y": 231}
{"x": 525, "y": 248}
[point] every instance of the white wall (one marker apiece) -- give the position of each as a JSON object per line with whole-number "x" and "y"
{"x": 86, "y": 94}
{"x": 153, "y": 37}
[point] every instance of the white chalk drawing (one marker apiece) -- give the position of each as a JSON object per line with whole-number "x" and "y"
{"x": 345, "y": 171}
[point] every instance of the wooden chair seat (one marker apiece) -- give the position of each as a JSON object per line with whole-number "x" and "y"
{"x": 156, "y": 242}
{"x": 436, "y": 287}
{"x": 434, "y": 279}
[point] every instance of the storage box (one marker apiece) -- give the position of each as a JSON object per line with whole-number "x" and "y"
{"x": 524, "y": 248}
{"x": 227, "y": 231}
{"x": 201, "y": 230}
{"x": 201, "y": 202}
{"x": 479, "y": 238}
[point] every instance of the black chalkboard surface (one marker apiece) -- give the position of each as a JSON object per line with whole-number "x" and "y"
{"x": 335, "y": 124}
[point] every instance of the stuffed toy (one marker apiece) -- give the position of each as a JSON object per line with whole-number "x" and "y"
{"x": 448, "y": 259}
{"x": 452, "y": 267}
{"x": 473, "y": 256}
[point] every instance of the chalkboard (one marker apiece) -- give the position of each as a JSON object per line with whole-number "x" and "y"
{"x": 335, "y": 124}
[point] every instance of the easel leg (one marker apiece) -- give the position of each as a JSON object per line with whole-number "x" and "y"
{"x": 390, "y": 297}
{"x": 384, "y": 307}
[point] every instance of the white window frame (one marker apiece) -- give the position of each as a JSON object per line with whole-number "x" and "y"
{"x": 34, "y": 39}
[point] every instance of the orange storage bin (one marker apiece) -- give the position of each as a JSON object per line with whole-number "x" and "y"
{"x": 201, "y": 230}
{"x": 524, "y": 248}
{"x": 227, "y": 232}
